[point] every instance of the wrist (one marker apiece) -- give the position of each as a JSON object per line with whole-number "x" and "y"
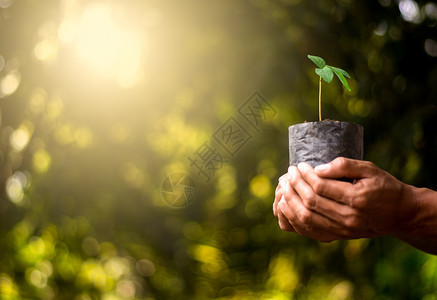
{"x": 409, "y": 213}
{"x": 421, "y": 229}
{"x": 420, "y": 212}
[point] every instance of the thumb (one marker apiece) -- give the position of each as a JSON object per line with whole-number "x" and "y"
{"x": 345, "y": 167}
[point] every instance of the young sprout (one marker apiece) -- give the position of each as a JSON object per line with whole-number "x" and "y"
{"x": 327, "y": 73}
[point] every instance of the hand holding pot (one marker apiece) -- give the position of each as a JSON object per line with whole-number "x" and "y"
{"x": 312, "y": 203}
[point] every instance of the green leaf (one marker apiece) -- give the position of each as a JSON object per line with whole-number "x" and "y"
{"x": 326, "y": 74}
{"x": 340, "y": 71}
{"x": 341, "y": 75}
{"x": 318, "y": 61}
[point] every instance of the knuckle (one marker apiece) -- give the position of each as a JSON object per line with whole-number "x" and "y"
{"x": 353, "y": 203}
{"x": 310, "y": 201}
{"x": 305, "y": 217}
{"x": 318, "y": 187}
{"x": 346, "y": 199}
{"x": 352, "y": 222}
{"x": 344, "y": 212}
{"x": 342, "y": 162}
{"x": 359, "y": 201}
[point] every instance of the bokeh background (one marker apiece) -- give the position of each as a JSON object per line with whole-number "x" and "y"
{"x": 100, "y": 101}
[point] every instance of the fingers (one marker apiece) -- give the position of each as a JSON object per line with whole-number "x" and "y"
{"x": 321, "y": 208}
{"x": 345, "y": 167}
{"x": 301, "y": 182}
{"x": 335, "y": 190}
{"x": 278, "y": 194}
{"x": 283, "y": 177}
{"x": 305, "y": 221}
{"x": 283, "y": 222}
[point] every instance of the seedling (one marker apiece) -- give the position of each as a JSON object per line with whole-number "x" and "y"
{"x": 326, "y": 73}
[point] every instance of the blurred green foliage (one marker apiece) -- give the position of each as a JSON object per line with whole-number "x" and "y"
{"x": 101, "y": 101}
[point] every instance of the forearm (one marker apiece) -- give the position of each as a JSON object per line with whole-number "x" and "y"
{"x": 421, "y": 230}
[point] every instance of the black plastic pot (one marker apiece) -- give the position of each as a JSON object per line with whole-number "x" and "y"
{"x": 320, "y": 142}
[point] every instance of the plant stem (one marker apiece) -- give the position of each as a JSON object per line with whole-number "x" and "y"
{"x": 320, "y": 99}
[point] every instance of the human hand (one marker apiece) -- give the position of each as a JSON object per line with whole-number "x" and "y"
{"x": 316, "y": 205}
{"x": 283, "y": 222}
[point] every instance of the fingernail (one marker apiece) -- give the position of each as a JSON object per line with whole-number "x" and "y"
{"x": 292, "y": 170}
{"x": 301, "y": 166}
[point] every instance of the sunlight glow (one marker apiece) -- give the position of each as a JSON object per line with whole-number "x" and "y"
{"x": 15, "y": 186}
{"x": 14, "y": 190}
{"x": 9, "y": 84}
{"x": 41, "y": 161}
{"x": 67, "y": 31}
{"x": 19, "y": 139}
{"x": 21, "y": 136}
{"x": 111, "y": 51}
{"x": 46, "y": 50}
